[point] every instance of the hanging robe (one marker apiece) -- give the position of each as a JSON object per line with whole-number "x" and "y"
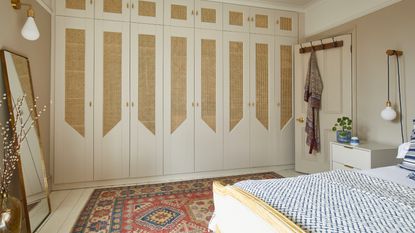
{"x": 312, "y": 95}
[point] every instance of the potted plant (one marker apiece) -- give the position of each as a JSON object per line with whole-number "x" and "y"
{"x": 343, "y": 128}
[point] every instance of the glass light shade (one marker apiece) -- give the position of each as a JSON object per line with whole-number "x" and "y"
{"x": 29, "y": 30}
{"x": 388, "y": 113}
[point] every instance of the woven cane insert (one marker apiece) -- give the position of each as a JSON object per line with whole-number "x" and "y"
{"x": 75, "y": 4}
{"x": 236, "y": 18}
{"x": 147, "y": 81}
{"x": 146, "y": 8}
{"x": 286, "y": 84}
{"x": 178, "y": 12}
{"x": 112, "y": 80}
{"x": 285, "y": 24}
{"x": 178, "y": 81}
{"x": 113, "y": 6}
{"x": 236, "y": 80}
{"x": 22, "y": 68}
{"x": 208, "y": 15}
{"x": 208, "y": 76}
{"x": 75, "y": 79}
{"x": 262, "y": 83}
{"x": 261, "y": 21}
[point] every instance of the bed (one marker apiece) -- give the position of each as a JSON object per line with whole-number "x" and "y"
{"x": 337, "y": 201}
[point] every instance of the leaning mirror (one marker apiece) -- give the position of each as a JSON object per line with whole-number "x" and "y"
{"x": 18, "y": 83}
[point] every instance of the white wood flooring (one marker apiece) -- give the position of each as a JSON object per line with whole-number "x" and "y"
{"x": 67, "y": 205}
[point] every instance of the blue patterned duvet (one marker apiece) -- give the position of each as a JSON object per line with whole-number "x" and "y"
{"x": 339, "y": 201}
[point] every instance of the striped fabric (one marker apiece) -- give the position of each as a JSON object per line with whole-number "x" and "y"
{"x": 409, "y": 159}
{"x": 339, "y": 201}
{"x": 412, "y": 176}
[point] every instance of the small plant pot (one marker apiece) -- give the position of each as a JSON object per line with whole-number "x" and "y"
{"x": 343, "y": 136}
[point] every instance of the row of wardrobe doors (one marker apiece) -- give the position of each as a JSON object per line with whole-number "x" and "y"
{"x": 136, "y": 100}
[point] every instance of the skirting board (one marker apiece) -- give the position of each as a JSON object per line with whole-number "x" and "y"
{"x": 168, "y": 178}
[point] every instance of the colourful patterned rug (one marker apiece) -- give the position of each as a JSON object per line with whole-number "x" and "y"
{"x": 185, "y": 206}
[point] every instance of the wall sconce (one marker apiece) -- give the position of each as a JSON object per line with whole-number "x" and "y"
{"x": 29, "y": 30}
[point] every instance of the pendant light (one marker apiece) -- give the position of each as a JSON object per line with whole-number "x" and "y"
{"x": 388, "y": 113}
{"x": 29, "y": 30}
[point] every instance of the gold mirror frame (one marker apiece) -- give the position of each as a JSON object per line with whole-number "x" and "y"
{"x": 20, "y": 169}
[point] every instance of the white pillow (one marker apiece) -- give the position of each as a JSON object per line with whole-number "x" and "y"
{"x": 403, "y": 149}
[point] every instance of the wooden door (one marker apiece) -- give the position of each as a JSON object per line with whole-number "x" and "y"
{"x": 262, "y": 21}
{"x": 75, "y": 8}
{"x": 111, "y": 112}
{"x": 286, "y": 23}
{"x": 178, "y": 100}
{"x": 74, "y": 89}
{"x": 208, "y": 15}
{"x": 336, "y": 101}
{"x": 113, "y": 10}
{"x": 146, "y": 142}
{"x": 147, "y": 11}
{"x": 236, "y": 99}
{"x": 262, "y": 105}
{"x": 209, "y": 100}
{"x": 179, "y": 13}
{"x": 235, "y": 18}
{"x": 284, "y": 97}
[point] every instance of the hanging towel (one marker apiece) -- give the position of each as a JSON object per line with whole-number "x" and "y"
{"x": 312, "y": 95}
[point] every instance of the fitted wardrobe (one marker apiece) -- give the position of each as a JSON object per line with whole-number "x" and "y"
{"x": 152, "y": 88}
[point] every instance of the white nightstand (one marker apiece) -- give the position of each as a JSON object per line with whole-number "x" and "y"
{"x": 364, "y": 156}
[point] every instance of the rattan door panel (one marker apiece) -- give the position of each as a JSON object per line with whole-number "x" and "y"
{"x": 76, "y": 8}
{"x": 208, "y": 15}
{"x": 235, "y": 18}
{"x": 179, "y": 13}
{"x": 113, "y": 9}
{"x": 262, "y": 21}
{"x": 73, "y": 149}
{"x": 284, "y": 96}
{"x": 146, "y": 156}
{"x": 209, "y": 100}
{"x": 111, "y": 112}
{"x": 178, "y": 99}
{"x": 236, "y": 99}
{"x": 147, "y": 11}
{"x": 263, "y": 107}
{"x": 286, "y": 23}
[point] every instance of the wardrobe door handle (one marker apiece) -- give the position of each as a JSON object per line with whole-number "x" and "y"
{"x": 90, "y": 103}
{"x": 126, "y": 104}
{"x": 91, "y": 2}
{"x": 132, "y": 104}
{"x": 348, "y": 147}
{"x": 128, "y": 5}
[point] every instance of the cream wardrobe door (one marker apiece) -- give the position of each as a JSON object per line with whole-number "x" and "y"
{"x": 284, "y": 97}
{"x": 286, "y": 23}
{"x": 263, "y": 109}
{"x": 73, "y": 157}
{"x": 179, "y": 13}
{"x": 209, "y": 100}
{"x": 146, "y": 122}
{"x": 262, "y": 21}
{"x": 76, "y": 8}
{"x": 113, "y": 9}
{"x": 147, "y": 11}
{"x": 236, "y": 99}
{"x": 235, "y": 18}
{"x": 178, "y": 99}
{"x": 208, "y": 14}
{"x": 111, "y": 112}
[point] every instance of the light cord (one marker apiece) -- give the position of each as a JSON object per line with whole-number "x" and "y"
{"x": 400, "y": 98}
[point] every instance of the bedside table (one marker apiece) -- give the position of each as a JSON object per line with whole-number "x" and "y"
{"x": 364, "y": 156}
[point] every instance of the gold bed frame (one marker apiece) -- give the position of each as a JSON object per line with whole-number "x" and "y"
{"x": 276, "y": 219}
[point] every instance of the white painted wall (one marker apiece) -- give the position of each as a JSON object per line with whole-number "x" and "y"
{"x": 326, "y": 14}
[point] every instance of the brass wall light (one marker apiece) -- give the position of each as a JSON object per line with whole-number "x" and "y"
{"x": 29, "y": 30}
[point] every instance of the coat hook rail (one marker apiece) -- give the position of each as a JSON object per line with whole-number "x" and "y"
{"x": 334, "y": 44}
{"x": 391, "y": 52}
